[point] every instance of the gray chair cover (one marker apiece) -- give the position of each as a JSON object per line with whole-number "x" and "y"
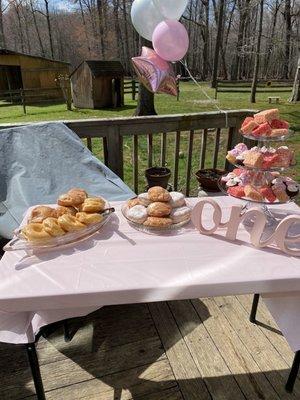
{"x": 40, "y": 161}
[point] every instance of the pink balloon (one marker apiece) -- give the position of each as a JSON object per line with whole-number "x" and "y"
{"x": 170, "y": 40}
{"x": 154, "y": 73}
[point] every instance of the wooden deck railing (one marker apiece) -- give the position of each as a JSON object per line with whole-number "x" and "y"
{"x": 184, "y": 142}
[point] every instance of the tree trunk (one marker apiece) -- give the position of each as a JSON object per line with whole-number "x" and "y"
{"x": 145, "y": 105}
{"x": 2, "y": 36}
{"x": 37, "y": 29}
{"x": 243, "y": 11}
{"x": 84, "y": 26}
{"x": 219, "y": 20}
{"x": 288, "y": 29}
{"x": 270, "y": 42}
{"x": 127, "y": 55}
{"x": 101, "y": 24}
{"x": 49, "y": 28}
{"x": 206, "y": 41}
{"x": 16, "y": 6}
{"x": 296, "y": 87}
{"x": 257, "y": 54}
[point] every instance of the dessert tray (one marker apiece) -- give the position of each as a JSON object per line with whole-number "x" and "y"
{"x": 20, "y": 243}
{"x": 157, "y": 211}
{"x": 76, "y": 216}
{"x": 257, "y": 177}
{"x": 152, "y": 229}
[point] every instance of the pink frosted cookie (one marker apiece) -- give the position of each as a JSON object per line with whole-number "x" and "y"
{"x": 266, "y": 116}
{"x": 279, "y": 124}
{"x": 262, "y": 130}
{"x": 248, "y": 127}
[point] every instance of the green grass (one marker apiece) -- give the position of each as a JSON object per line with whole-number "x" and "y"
{"x": 192, "y": 100}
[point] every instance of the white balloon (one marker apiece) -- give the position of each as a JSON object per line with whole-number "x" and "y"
{"x": 145, "y": 17}
{"x": 171, "y": 9}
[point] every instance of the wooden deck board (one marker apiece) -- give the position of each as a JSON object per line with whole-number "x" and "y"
{"x": 183, "y": 350}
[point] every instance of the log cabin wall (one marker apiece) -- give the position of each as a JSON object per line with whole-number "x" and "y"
{"x": 35, "y": 73}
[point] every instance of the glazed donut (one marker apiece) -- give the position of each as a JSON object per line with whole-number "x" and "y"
{"x": 157, "y": 193}
{"x": 92, "y": 205}
{"x": 52, "y": 227}
{"x": 70, "y": 223}
{"x": 137, "y": 214}
{"x": 78, "y": 192}
{"x": 158, "y": 222}
{"x": 177, "y": 199}
{"x": 159, "y": 209}
{"x": 180, "y": 214}
{"x": 88, "y": 219}
{"x": 70, "y": 200}
{"x": 133, "y": 202}
{"x": 61, "y": 210}
{"x": 144, "y": 199}
{"x": 38, "y": 214}
{"x": 35, "y": 232}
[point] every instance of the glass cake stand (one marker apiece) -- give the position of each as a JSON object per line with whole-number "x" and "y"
{"x": 258, "y": 177}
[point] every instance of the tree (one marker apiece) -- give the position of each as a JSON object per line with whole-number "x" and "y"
{"x": 2, "y": 37}
{"x": 145, "y": 105}
{"x": 288, "y": 29}
{"x": 219, "y": 20}
{"x": 257, "y": 53}
{"x": 296, "y": 87}
{"x": 47, "y": 15}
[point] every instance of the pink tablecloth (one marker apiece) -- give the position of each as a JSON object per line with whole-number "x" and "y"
{"x": 121, "y": 265}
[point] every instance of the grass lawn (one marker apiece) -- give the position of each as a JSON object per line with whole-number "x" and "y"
{"x": 191, "y": 100}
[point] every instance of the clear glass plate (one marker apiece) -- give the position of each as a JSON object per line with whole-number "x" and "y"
{"x": 268, "y": 138}
{"x": 20, "y": 243}
{"x": 262, "y": 169}
{"x": 223, "y": 188}
{"x": 171, "y": 229}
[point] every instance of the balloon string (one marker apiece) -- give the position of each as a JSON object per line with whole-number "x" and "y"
{"x": 184, "y": 63}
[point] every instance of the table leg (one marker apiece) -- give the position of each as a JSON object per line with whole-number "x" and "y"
{"x": 254, "y": 308}
{"x": 35, "y": 370}
{"x": 293, "y": 373}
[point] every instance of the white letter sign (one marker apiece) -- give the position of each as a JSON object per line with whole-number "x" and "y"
{"x": 280, "y": 235}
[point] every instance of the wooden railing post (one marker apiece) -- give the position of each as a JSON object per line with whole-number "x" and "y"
{"x": 115, "y": 150}
{"x": 133, "y": 89}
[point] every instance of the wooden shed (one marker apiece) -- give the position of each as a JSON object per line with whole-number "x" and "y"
{"x": 23, "y": 71}
{"x": 98, "y": 84}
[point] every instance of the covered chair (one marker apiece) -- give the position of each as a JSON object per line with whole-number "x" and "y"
{"x": 40, "y": 161}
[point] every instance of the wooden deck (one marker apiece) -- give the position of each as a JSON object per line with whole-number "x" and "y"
{"x": 182, "y": 350}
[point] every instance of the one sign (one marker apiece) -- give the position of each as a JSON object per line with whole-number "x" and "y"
{"x": 288, "y": 244}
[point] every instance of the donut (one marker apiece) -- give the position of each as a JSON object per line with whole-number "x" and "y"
{"x": 177, "y": 199}
{"x": 35, "y": 232}
{"x": 70, "y": 223}
{"x": 159, "y": 209}
{"x": 133, "y": 202}
{"x": 61, "y": 210}
{"x": 70, "y": 200}
{"x": 180, "y": 214}
{"x": 52, "y": 227}
{"x": 144, "y": 199}
{"x": 157, "y": 193}
{"x": 92, "y": 205}
{"x": 38, "y": 214}
{"x": 137, "y": 214}
{"x": 88, "y": 219}
{"x": 158, "y": 222}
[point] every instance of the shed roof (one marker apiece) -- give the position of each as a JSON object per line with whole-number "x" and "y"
{"x": 16, "y": 53}
{"x": 103, "y": 68}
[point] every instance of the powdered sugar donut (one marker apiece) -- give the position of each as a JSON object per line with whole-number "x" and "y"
{"x": 144, "y": 199}
{"x": 137, "y": 214}
{"x": 177, "y": 199}
{"x": 180, "y": 214}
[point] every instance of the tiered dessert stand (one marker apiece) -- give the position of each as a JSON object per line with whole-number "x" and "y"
{"x": 260, "y": 176}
